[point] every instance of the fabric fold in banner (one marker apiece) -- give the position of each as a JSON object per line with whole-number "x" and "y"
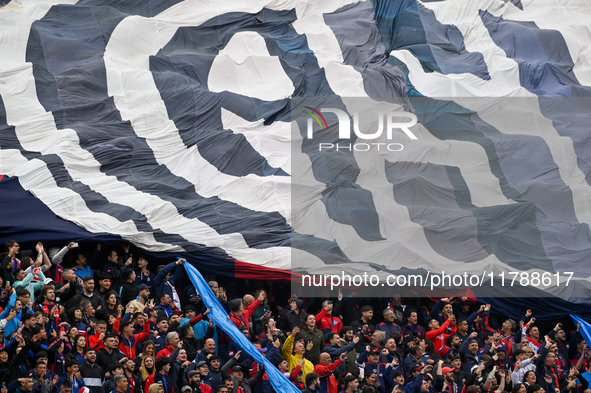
{"x": 279, "y": 382}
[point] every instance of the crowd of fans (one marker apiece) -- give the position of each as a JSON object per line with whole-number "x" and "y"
{"x": 99, "y": 321}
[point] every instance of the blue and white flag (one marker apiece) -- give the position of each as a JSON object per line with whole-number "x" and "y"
{"x": 168, "y": 123}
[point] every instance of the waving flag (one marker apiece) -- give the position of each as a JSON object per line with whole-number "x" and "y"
{"x": 174, "y": 125}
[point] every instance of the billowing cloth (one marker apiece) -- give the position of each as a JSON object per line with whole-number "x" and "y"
{"x": 181, "y": 126}
{"x": 218, "y": 315}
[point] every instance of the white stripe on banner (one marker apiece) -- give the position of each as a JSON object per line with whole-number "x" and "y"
{"x": 272, "y": 142}
{"x": 504, "y": 82}
{"x": 218, "y": 315}
{"x": 36, "y": 131}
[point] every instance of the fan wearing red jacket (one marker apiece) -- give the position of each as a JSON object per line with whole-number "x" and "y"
{"x": 239, "y": 316}
{"x": 325, "y": 369}
{"x": 326, "y": 322}
{"x": 436, "y": 332}
{"x": 128, "y": 339}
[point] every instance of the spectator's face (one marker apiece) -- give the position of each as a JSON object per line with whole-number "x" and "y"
{"x": 293, "y": 306}
{"x": 163, "y": 325}
{"x": 434, "y": 324}
{"x": 41, "y": 369}
{"x": 560, "y": 335}
{"x": 90, "y": 356}
{"x": 391, "y": 345}
{"x": 174, "y": 341}
{"x": 73, "y": 369}
{"x": 456, "y": 363}
{"x": 448, "y": 309}
{"x": 550, "y": 359}
{"x": 311, "y": 321}
{"x": 190, "y": 314}
{"x": 368, "y": 314}
{"x": 223, "y": 389}
{"x": 166, "y": 368}
{"x": 173, "y": 318}
{"x": 229, "y": 384}
{"x": 102, "y": 328}
{"x": 283, "y": 366}
{"x": 111, "y": 343}
{"x": 399, "y": 380}
{"x": 528, "y": 352}
{"x": 27, "y": 384}
{"x": 144, "y": 294}
{"x": 426, "y": 386}
{"x": 371, "y": 379}
{"x": 88, "y": 286}
{"x": 389, "y": 316}
{"x": 195, "y": 380}
{"x": 209, "y": 345}
{"x": 81, "y": 260}
{"x": 50, "y": 295}
{"x": 160, "y": 389}
{"x": 105, "y": 284}
{"x": 325, "y": 358}
{"x": 412, "y": 318}
{"x": 182, "y": 356}
{"x": 215, "y": 364}
{"x": 78, "y": 314}
{"x": 531, "y": 378}
{"x": 21, "y": 275}
{"x": 374, "y": 358}
{"x": 113, "y": 257}
{"x": 131, "y": 364}
{"x": 376, "y": 336}
{"x": 141, "y": 262}
{"x": 3, "y": 356}
{"x": 204, "y": 370}
{"x": 299, "y": 348}
{"x": 349, "y": 335}
{"x": 534, "y": 332}
{"x": 463, "y": 326}
{"x": 215, "y": 288}
{"x": 14, "y": 250}
{"x": 122, "y": 385}
{"x": 238, "y": 375}
{"x": 64, "y": 389}
{"x": 456, "y": 342}
{"x": 166, "y": 300}
{"x": 149, "y": 362}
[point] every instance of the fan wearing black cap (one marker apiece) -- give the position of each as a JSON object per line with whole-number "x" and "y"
{"x": 369, "y": 360}
{"x": 241, "y": 384}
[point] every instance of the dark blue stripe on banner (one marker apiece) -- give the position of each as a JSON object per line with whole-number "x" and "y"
{"x": 81, "y": 102}
{"x": 190, "y": 55}
{"x": 546, "y": 69}
{"x": 407, "y": 24}
{"x": 93, "y": 200}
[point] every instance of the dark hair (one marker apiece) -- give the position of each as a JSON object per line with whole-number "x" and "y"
{"x": 136, "y": 314}
{"x": 66, "y": 384}
{"x": 160, "y": 319}
{"x": 124, "y": 325}
{"x": 70, "y": 363}
{"x": 235, "y": 304}
{"x": 533, "y": 388}
{"x": 311, "y": 378}
{"x": 88, "y": 278}
{"x": 162, "y": 296}
{"x": 45, "y": 289}
{"x": 26, "y": 317}
{"x": 344, "y": 330}
{"x": 366, "y": 309}
{"x": 126, "y": 273}
{"x": 160, "y": 362}
{"x": 348, "y": 380}
{"x": 331, "y": 336}
{"x": 10, "y": 243}
{"x": 22, "y": 291}
{"x": 525, "y": 377}
{"x": 449, "y": 339}
{"x": 516, "y": 388}
{"x": 408, "y": 312}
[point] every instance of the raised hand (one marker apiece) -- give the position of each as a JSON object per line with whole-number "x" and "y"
{"x": 309, "y": 346}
